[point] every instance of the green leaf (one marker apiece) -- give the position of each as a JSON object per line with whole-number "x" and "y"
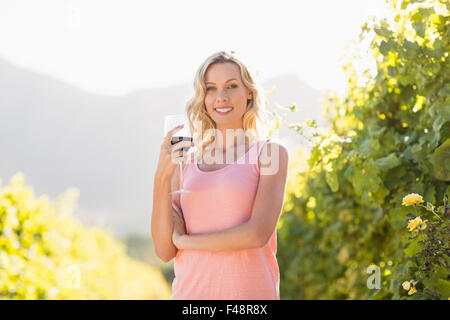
{"x": 404, "y": 4}
{"x": 385, "y": 47}
{"x": 438, "y": 48}
{"x": 440, "y": 161}
{"x": 445, "y": 91}
{"x": 420, "y": 28}
{"x": 445, "y": 130}
{"x": 383, "y": 32}
{"x": 416, "y": 17}
{"x": 388, "y": 162}
{"x": 426, "y": 12}
{"x": 395, "y": 177}
{"x": 332, "y": 180}
{"x": 435, "y": 284}
{"x": 413, "y": 248}
{"x": 430, "y": 194}
{"x": 366, "y": 179}
{"x": 411, "y": 46}
{"x": 369, "y": 147}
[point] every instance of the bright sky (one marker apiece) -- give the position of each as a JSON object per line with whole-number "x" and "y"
{"x": 117, "y": 46}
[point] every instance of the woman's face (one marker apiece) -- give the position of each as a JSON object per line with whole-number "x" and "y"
{"x": 224, "y": 94}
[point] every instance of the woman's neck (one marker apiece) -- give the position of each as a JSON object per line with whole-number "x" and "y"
{"x": 229, "y": 139}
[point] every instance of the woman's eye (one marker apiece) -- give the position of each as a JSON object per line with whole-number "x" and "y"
{"x": 231, "y": 86}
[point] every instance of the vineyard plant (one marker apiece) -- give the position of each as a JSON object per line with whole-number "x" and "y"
{"x": 46, "y": 253}
{"x": 370, "y": 200}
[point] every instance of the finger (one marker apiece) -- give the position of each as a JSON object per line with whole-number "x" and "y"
{"x": 180, "y": 146}
{"x": 176, "y": 218}
{"x": 185, "y": 145}
{"x": 178, "y": 222}
{"x": 172, "y": 132}
{"x": 176, "y": 140}
{"x": 179, "y": 155}
{"x": 176, "y": 211}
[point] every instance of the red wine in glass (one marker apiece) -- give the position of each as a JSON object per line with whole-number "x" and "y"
{"x": 175, "y": 140}
{"x": 184, "y": 134}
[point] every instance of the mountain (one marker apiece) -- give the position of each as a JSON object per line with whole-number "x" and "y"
{"x": 62, "y": 137}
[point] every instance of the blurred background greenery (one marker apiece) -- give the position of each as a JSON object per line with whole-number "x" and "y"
{"x": 46, "y": 253}
{"x": 389, "y": 136}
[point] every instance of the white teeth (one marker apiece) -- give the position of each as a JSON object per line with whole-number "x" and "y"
{"x": 223, "y": 110}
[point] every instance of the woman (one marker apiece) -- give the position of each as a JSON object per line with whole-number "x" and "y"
{"x": 222, "y": 234}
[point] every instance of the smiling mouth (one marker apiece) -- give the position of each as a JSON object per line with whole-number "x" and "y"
{"x": 225, "y": 110}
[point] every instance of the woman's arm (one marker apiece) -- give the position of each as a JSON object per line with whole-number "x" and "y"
{"x": 266, "y": 210}
{"x": 243, "y": 236}
{"x": 166, "y": 206}
{"x": 162, "y": 222}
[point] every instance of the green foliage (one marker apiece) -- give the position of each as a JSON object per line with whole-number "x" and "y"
{"x": 45, "y": 253}
{"x": 428, "y": 249}
{"x": 389, "y": 137}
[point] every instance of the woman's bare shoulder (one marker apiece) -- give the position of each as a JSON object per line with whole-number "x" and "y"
{"x": 274, "y": 147}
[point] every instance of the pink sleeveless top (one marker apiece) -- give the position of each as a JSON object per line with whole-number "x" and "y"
{"x": 222, "y": 199}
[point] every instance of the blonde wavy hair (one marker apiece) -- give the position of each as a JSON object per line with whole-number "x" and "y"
{"x": 255, "y": 121}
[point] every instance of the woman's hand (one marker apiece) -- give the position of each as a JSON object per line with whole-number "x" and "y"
{"x": 179, "y": 230}
{"x": 168, "y": 158}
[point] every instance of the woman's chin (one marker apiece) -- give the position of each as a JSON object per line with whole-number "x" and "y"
{"x": 226, "y": 122}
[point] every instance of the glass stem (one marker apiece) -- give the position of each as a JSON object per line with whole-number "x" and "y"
{"x": 181, "y": 175}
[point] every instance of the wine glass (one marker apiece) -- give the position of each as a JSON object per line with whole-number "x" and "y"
{"x": 183, "y": 134}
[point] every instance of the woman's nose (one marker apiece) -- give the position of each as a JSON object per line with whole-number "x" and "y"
{"x": 222, "y": 95}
